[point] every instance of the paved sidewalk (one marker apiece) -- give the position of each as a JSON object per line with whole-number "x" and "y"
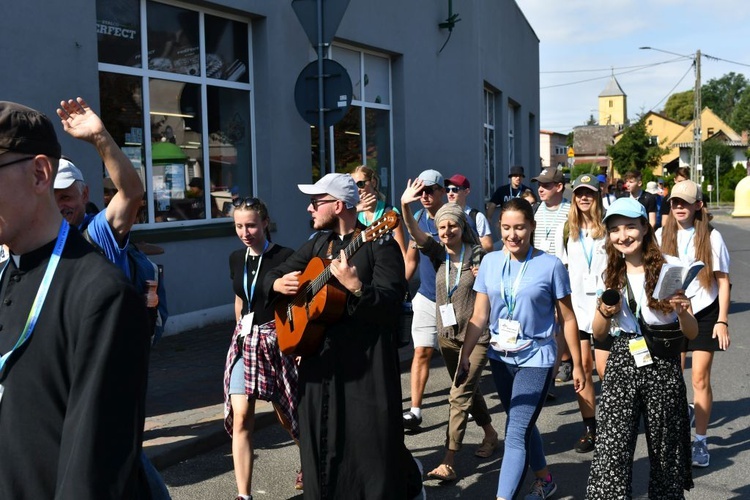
{"x": 184, "y": 404}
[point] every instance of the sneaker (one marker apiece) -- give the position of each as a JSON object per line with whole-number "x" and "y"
{"x": 691, "y": 414}
{"x": 298, "y": 483}
{"x": 586, "y": 443}
{"x": 411, "y": 421}
{"x": 565, "y": 372}
{"x": 541, "y": 489}
{"x": 700, "y": 454}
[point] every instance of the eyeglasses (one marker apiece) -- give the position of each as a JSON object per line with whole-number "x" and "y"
{"x": 429, "y": 190}
{"x": 317, "y": 203}
{"x": 361, "y": 184}
{"x": 248, "y": 202}
{"x": 454, "y": 189}
{"x": 16, "y": 161}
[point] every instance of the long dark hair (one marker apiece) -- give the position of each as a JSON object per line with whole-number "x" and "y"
{"x": 616, "y": 273}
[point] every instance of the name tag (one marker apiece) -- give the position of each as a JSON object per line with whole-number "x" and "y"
{"x": 590, "y": 284}
{"x": 246, "y": 324}
{"x": 639, "y": 351}
{"x": 448, "y": 315}
{"x": 508, "y": 330}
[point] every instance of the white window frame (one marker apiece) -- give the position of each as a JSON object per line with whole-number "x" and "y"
{"x": 488, "y": 129}
{"x": 146, "y": 74}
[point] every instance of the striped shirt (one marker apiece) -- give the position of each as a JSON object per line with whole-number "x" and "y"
{"x": 547, "y": 222}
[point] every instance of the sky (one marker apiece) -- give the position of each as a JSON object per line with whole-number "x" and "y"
{"x": 577, "y": 36}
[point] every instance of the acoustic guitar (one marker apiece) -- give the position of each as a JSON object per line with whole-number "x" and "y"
{"x": 301, "y": 321}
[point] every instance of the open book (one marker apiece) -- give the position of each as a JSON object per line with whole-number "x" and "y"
{"x": 675, "y": 276}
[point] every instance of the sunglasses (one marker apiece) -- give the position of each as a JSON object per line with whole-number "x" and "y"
{"x": 361, "y": 184}
{"x": 248, "y": 202}
{"x": 317, "y": 203}
{"x": 429, "y": 190}
{"x": 16, "y": 161}
{"x": 454, "y": 189}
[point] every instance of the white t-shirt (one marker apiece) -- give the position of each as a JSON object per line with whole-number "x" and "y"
{"x": 547, "y": 222}
{"x": 700, "y": 297}
{"x": 585, "y": 279}
{"x": 626, "y": 318}
{"x": 479, "y": 223}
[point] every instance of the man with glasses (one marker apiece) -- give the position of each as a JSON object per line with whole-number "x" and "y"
{"x": 74, "y": 338}
{"x": 351, "y": 437}
{"x": 424, "y": 322}
{"x": 458, "y": 188}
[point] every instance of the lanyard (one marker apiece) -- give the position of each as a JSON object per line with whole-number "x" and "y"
{"x": 448, "y": 271}
{"x": 41, "y": 294}
{"x": 589, "y": 255}
{"x": 687, "y": 245}
{"x": 510, "y": 300}
{"x": 255, "y": 278}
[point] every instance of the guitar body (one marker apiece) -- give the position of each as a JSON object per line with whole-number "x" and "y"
{"x": 301, "y": 321}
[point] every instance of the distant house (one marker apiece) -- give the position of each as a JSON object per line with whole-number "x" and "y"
{"x": 590, "y": 144}
{"x": 553, "y": 148}
{"x": 613, "y": 105}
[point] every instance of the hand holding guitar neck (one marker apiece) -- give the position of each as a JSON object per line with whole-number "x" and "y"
{"x": 345, "y": 274}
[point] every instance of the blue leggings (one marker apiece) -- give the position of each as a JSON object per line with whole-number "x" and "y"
{"x": 522, "y": 391}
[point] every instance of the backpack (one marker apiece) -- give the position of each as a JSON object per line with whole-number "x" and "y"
{"x": 143, "y": 269}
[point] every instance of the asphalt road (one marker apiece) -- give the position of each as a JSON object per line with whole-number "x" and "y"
{"x": 210, "y": 476}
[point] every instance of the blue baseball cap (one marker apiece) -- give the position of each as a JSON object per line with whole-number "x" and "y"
{"x": 627, "y": 207}
{"x": 601, "y": 178}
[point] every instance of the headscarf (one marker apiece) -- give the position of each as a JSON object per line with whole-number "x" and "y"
{"x": 454, "y": 212}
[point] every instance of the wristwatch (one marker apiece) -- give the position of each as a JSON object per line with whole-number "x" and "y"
{"x": 357, "y": 293}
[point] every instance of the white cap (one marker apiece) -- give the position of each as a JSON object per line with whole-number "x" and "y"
{"x": 67, "y": 174}
{"x": 340, "y": 186}
{"x": 651, "y": 187}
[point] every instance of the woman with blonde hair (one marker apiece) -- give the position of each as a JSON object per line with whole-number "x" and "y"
{"x": 372, "y": 203}
{"x": 688, "y": 235}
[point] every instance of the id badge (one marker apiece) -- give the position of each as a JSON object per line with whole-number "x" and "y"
{"x": 590, "y": 282}
{"x": 508, "y": 330}
{"x": 246, "y": 324}
{"x": 639, "y": 351}
{"x": 448, "y": 315}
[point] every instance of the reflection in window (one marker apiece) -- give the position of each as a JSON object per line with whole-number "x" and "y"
{"x": 173, "y": 42}
{"x": 197, "y": 128}
{"x": 347, "y": 141}
{"x": 489, "y": 143}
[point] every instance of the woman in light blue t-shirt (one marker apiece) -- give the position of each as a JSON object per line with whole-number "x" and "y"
{"x": 519, "y": 290}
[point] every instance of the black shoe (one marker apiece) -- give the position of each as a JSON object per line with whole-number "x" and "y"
{"x": 411, "y": 421}
{"x": 586, "y": 443}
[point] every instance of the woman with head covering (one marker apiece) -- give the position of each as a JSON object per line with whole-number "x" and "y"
{"x": 644, "y": 378}
{"x": 456, "y": 259}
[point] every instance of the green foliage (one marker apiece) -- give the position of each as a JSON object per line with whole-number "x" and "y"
{"x": 634, "y": 151}
{"x": 591, "y": 121}
{"x": 569, "y": 139}
{"x": 729, "y": 176}
{"x": 584, "y": 168}
{"x": 680, "y": 106}
{"x": 741, "y": 114}
{"x": 712, "y": 149}
{"x": 723, "y": 94}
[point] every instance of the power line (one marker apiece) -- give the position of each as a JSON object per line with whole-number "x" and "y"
{"x": 672, "y": 89}
{"x": 637, "y": 68}
{"x": 611, "y": 68}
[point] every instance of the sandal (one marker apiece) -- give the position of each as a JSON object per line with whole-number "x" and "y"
{"x": 487, "y": 448}
{"x": 443, "y": 472}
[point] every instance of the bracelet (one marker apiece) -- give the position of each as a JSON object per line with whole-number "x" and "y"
{"x": 599, "y": 309}
{"x": 723, "y": 323}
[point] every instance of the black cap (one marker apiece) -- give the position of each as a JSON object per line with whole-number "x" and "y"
{"x": 516, "y": 170}
{"x": 25, "y": 130}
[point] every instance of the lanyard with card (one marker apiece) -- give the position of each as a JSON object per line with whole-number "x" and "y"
{"x": 508, "y": 328}
{"x": 447, "y": 313}
{"x": 590, "y": 282}
{"x": 246, "y": 322}
{"x": 637, "y": 346}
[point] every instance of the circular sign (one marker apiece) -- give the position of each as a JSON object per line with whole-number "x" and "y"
{"x": 337, "y": 93}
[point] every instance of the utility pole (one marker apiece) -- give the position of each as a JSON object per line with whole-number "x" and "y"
{"x": 697, "y": 142}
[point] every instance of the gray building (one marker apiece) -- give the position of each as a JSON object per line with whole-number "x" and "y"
{"x": 202, "y": 93}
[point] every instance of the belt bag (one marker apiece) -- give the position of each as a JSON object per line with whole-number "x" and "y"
{"x": 663, "y": 341}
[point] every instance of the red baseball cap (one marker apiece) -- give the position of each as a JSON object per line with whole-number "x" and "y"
{"x": 457, "y": 180}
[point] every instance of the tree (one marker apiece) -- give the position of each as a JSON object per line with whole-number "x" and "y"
{"x": 570, "y": 139}
{"x": 636, "y": 150}
{"x": 712, "y": 149}
{"x": 591, "y": 121}
{"x": 680, "y": 106}
{"x": 741, "y": 114}
{"x": 723, "y": 94}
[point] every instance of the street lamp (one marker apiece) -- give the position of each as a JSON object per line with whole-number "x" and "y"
{"x": 697, "y": 143}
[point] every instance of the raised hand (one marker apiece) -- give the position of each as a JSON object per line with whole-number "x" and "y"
{"x": 413, "y": 191}
{"x": 80, "y": 121}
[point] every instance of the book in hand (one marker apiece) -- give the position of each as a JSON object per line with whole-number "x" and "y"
{"x": 675, "y": 275}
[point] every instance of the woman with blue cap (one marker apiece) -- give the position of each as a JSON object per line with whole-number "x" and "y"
{"x": 644, "y": 378}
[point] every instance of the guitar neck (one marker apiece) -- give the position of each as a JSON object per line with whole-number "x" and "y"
{"x": 323, "y": 278}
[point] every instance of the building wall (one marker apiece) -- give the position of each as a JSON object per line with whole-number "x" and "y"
{"x": 612, "y": 110}
{"x": 437, "y": 109}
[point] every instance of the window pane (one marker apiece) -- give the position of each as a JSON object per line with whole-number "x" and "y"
{"x": 122, "y": 113}
{"x": 350, "y": 60}
{"x": 177, "y": 151}
{"x": 173, "y": 42}
{"x": 378, "y": 131}
{"x": 230, "y": 166}
{"x": 226, "y": 49}
{"x": 347, "y": 141}
{"x": 118, "y": 32}
{"x": 376, "y": 79}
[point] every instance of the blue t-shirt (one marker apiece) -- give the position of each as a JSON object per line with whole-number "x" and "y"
{"x": 544, "y": 281}
{"x": 426, "y": 269}
{"x": 101, "y": 233}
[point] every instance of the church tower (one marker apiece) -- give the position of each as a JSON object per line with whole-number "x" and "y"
{"x": 613, "y": 102}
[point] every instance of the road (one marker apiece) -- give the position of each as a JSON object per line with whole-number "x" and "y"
{"x": 210, "y": 476}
